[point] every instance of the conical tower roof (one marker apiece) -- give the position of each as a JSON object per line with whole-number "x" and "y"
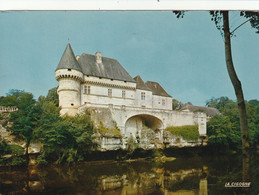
{"x": 68, "y": 60}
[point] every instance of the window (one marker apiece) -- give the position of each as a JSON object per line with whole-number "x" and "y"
{"x": 163, "y": 102}
{"x": 143, "y": 95}
{"x": 72, "y": 104}
{"x": 123, "y": 94}
{"x": 69, "y": 69}
{"x": 87, "y": 89}
{"x": 110, "y": 92}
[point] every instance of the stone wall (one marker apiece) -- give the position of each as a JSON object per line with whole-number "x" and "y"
{"x": 146, "y": 127}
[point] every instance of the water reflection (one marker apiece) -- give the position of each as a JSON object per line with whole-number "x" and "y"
{"x": 158, "y": 180}
{"x": 123, "y": 178}
{"x": 182, "y": 176}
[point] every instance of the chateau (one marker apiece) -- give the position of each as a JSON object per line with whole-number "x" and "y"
{"x": 104, "y": 86}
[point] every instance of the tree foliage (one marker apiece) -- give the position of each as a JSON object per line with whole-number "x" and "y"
{"x": 177, "y": 105}
{"x": 224, "y": 129}
{"x": 64, "y": 139}
{"x": 25, "y": 120}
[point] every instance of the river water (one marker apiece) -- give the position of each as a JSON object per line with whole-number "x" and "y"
{"x": 200, "y": 175}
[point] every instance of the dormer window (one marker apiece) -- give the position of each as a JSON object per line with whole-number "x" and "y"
{"x": 69, "y": 69}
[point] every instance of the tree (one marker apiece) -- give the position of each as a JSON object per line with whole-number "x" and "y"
{"x": 65, "y": 139}
{"x": 230, "y": 118}
{"x": 217, "y": 17}
{"x": 177, "y": 105}
{"x": 254, "y": 19}
{"x": 11, "y": 98}
{"x": 25, "y": 120}
{"x": 53, "y": 96}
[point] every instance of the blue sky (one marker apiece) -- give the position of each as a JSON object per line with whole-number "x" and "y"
{"x": 186, "y": 56}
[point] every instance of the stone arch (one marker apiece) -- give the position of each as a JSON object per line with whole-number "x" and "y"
{"x": 136, "y": 123}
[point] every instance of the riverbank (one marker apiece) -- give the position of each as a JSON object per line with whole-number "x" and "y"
{"x": 99, "y": 157}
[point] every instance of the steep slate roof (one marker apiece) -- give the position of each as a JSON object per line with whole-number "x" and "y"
{"x": 109, "y": 68}
{"x": 140, "y": 84}
{"x": 68, "y": 60}
{"x": 157, "y": 89}
{"x": 208, "y": 110}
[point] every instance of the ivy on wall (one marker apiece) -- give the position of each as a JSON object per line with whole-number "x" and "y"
{"x": 188, "y": 132}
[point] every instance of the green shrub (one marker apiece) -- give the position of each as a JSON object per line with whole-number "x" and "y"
{"x": 18, "y": 161}
{"x": 131, "y": 144}
{"x": 157, "y": 153}
{"x": 103, "y": 130}
{"x": 4, "y": 118}
{"x": 188, "y": 132}
{"x": 2, "y": 161}
{"x": 41, "y": 160}
{"x": 16, "y": 149}
{"x": 4, "y": 148}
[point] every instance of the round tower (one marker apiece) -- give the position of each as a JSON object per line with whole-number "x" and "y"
{"x": 69, "y": 76}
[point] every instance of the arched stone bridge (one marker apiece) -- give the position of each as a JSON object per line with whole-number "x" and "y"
{"x": 132, "y": 119}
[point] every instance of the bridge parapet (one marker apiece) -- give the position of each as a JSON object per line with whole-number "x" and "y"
{"x": 8, "y": 108}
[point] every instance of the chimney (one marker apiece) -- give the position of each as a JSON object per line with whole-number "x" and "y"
{"x": 98, "y": 57}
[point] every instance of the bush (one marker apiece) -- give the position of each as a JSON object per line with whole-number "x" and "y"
{"x": 188, "y": 132}
{"x": 157, "y": 153}
{"x": 18, "y": 161}
{"x": 103, "y": 130}
{"x": 65, "y": 139}
{"x": 222, "y": 132}
{"x": 4, "y": 148}
{"x": 16, "y": 149}
{"x": 2, "y": 161}
{"x": 131, "y": 144}
{"x": 41, "y": 160}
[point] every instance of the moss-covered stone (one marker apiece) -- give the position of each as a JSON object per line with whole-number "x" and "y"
{"x": 109, "y": 132}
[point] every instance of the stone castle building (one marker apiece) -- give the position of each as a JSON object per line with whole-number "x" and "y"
{"x": 103, "y": 85}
